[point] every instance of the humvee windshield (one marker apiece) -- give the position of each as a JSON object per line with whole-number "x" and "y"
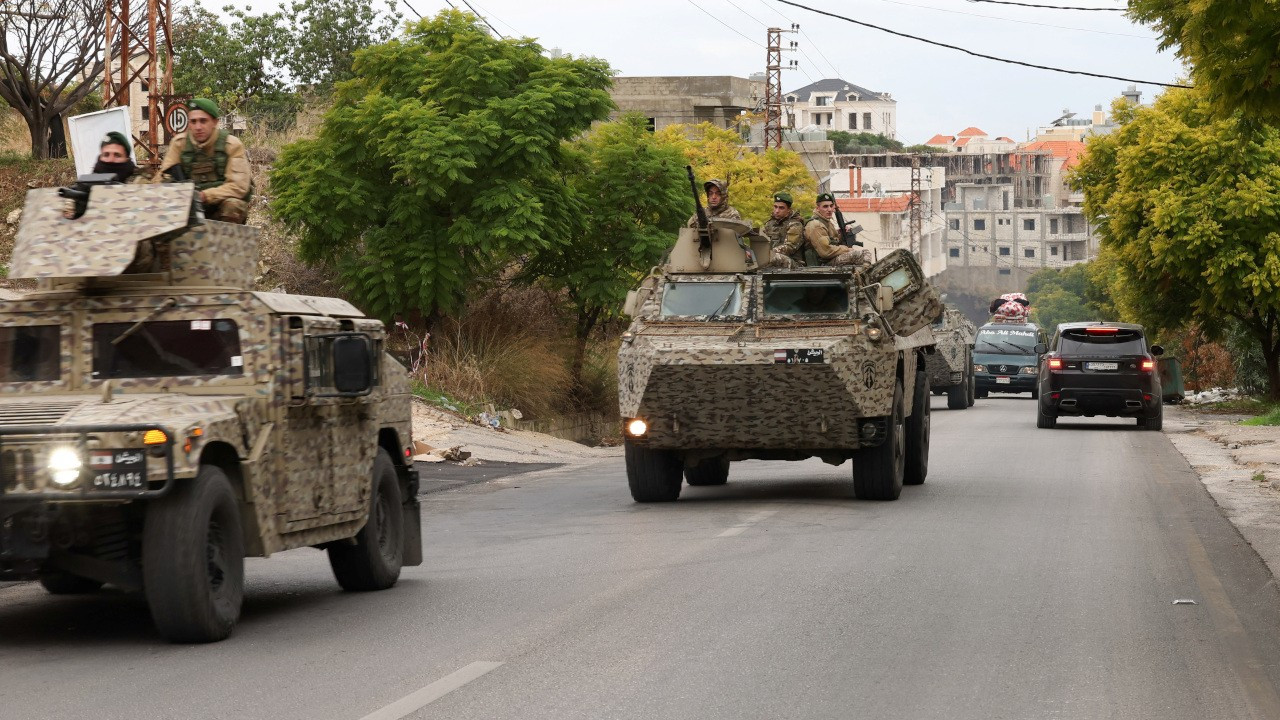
{"x": 29, "y": 353}
{"x": 166, "y": 348}
{"x": 805, "y": 297}
{"x": 688, "y": 299}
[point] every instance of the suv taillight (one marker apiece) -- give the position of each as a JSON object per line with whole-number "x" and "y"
{"x": 1055, "y": 363}
{"x": 1148, "y": 365}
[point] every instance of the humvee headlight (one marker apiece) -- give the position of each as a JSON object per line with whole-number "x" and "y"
{"x": 637, "y": 427}
{"x": 628, "y": 336}
{"x": 64, "y": 465}
{"x": 874, "y": 333}
{"x": 154, "y": 437}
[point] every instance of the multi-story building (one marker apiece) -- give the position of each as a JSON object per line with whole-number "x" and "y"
{"x": 972, "y": 140}
{"x": 721, "y": 100}
{"x": 835, "y": 104}
{"x": 879, "y": 199}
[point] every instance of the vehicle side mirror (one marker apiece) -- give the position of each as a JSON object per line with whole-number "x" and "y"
{"x": 884, "y": 299}
{"x": 1041, "y": 348}
{"x": 352, "y": 365}
{"x": 629, "y": 307}
{"x": 1157, "y": 350}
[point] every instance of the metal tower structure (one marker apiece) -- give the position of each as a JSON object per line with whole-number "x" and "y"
{"x": 773, "y": 85}
{"x": 140, "y": 47}
{"x": 917, "y": 212}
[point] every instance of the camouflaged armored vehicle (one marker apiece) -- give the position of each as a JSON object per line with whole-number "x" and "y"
{"x": 159, "y": 421}
{"x": 726, "y": 361}
{"x": 950, "y": 366}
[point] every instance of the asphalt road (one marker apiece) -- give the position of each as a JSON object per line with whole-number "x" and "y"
{"x": 1032, "y": 576}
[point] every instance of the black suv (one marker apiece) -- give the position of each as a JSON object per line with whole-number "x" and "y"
{"x": 1100, "y": 368}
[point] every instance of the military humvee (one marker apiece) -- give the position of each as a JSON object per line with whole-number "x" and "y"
{"x": 950, "y": 366}
{"x": 727, "y": 361}
{"x": 160, "y": 424}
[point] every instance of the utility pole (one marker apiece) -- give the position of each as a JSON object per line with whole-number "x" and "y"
{"x": 773, "y": 85}
{"x": 152, "y": 43}
{"x": 917, "y": 212}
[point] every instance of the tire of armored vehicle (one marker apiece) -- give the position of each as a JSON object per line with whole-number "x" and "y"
{"x": 725, "y": 361}
{"x": 159, "y": 421}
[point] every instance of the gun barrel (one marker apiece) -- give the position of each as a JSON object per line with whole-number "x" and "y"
{"x": 697, "y": 200}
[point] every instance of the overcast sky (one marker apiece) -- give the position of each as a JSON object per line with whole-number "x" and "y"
{"x": 938, "y": 90}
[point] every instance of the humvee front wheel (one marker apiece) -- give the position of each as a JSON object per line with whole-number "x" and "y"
{"x": 374, "y": 560}
{"x": 653, "y": 475}
{"x": 917, "y": 459}
{"x": 64, "y": 583}
{"x": 193, "y": 559}
{"x": 878, "y": 471}
{"x": 711, "y": 471}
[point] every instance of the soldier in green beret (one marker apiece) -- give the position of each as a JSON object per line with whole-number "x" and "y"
{"x": 823, "y": 236}
{"x": 785, "y": 230}
{"x": 214, "y": 160}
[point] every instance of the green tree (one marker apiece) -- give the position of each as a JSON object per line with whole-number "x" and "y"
{"x": 1187, "y": 202}
{"x": 240, "y": 63}
{"x": 753, "y": 178}
{"x": 441, "y": 161}
{"x": 1066, "y": 295}
{"x": 843, "y": 142}
{"x": 633, "y": 199}
{"x": 327, "y": 33}
{"x": 1233, "y": 48}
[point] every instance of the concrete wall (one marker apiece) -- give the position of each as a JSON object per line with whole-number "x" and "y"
{"x": 718, "y": 99}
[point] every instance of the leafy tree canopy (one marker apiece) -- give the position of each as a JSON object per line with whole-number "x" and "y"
{"x": 753, "y": 178}
{"x": 847, "y": 142}
{"x": 1187, "y": 204}
{"x": 441, "y": 161}
{"x": 1233, "y": 48}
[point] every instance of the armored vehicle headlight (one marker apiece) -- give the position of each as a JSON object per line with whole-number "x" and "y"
{"x": 154, "y": 437}
{"x": 637, "y": 427}
{"x": 874, "y": 333}
{"x": 628, "y": 336}
{"x": 64, "y": 465}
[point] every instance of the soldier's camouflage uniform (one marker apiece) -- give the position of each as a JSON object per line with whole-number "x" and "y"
{"x": 723, "y": 210}
{"x": 786, "y": 237}
{"x": 226, "y": 201}
{"x": 823, "y": 236}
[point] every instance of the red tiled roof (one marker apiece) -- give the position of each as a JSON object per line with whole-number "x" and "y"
{"x": 963, "y": 141}
{"x": 940, "y": 140}
{"x": 1069, "y": 150}
{"x": 893, "y": 203}
{"x": 1005, "y": 139}
{"x": 972, "y": 132}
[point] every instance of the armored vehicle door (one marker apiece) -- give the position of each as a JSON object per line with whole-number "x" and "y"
{"x": 308, "y": 446}
{"x": 915, "y": 303}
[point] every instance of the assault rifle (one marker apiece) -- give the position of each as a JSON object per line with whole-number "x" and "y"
{"x": 704, "y": 236}
{"x": 848, "y": 235}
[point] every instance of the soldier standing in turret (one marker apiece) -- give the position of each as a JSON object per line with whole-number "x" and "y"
{"x": 214, "y": 160}
{"x": 785, "y": 230}
{"x": 823, "y": 236}
{"x": 717, "y": 203}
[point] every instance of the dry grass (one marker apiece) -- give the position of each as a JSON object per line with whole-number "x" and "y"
{"x": 505, "y": 349}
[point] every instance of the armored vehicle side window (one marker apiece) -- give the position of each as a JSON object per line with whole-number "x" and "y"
{"x": 30, "y": 353}
{"x": 691, "y": 299}
{"x": 167, "y": 348}
{"x": 805, "y": 297}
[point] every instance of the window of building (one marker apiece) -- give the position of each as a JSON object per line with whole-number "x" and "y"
{"x": 866, "y": 121}
{"x": 1004, "y": 271}
{"x": 1028, "y": 224}
{"x": 1053, "y": 227}
{"x": 651, "y": 124}
{"x": 791, "y": 99}
{"x": 853, "y": 121}
{"x": 979, "y": 224}
{"x": 1029, "y": 252}
{"x": 822, "y": 101}
{"x": 1005, "y": 196}
{"x": 146, "y": 113}
{"x": 954, "y": 223}
{"x": 1053, "y": 249}
{"x": 954, "y": 252}
{"x": 1004, "y": 251}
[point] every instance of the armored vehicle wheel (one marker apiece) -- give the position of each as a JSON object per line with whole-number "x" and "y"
{"x": 917, "y": 460}
{"x": 878, "y": 471}
{"x": 64, "y": 583}
{"x": 193, "y": 559}
{"x": 711, "y": 471}
{"x": 374, "y": 560}
{"x": 958, "y": 397}
{"x": 654, "y": 475}
{"x": 1044, "y": 420}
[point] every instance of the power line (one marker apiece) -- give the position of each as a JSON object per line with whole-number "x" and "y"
{"x": 713, "y": 17}
{"x": 806, "y": 37}
{"x": 485, "y": 19}
{"x": 1015, "y": 20}
{"x": 1050, "y": 7}
{"x": 500, "y": 20}
{"x": 415, "y": 10}
{"x": 978, "y": 54}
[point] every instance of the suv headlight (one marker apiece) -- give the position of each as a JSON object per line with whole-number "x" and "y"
{"x": 1028, "y": 370}
{"x": 979, "y": 368}
{"x": 64, "y": 465}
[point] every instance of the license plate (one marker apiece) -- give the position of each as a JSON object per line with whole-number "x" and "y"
{"x": 800, "y": 357}
{"x": 118, "y": 469}
{"x": 1101, "y": 366}
{"x": 1002, "y": 381}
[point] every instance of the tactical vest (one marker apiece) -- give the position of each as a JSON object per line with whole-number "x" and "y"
{"x": 205, "y": 170}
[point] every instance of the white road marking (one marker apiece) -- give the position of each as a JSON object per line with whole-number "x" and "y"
{"x": 746, "y": 524}
{"x": 421, "y": 698}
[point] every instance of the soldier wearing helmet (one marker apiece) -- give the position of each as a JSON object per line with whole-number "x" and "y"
{"x": 717, "y": 203}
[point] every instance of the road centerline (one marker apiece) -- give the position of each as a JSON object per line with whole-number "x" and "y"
{"x": 751, "y": 520}
{"x": 428, "y": 694}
